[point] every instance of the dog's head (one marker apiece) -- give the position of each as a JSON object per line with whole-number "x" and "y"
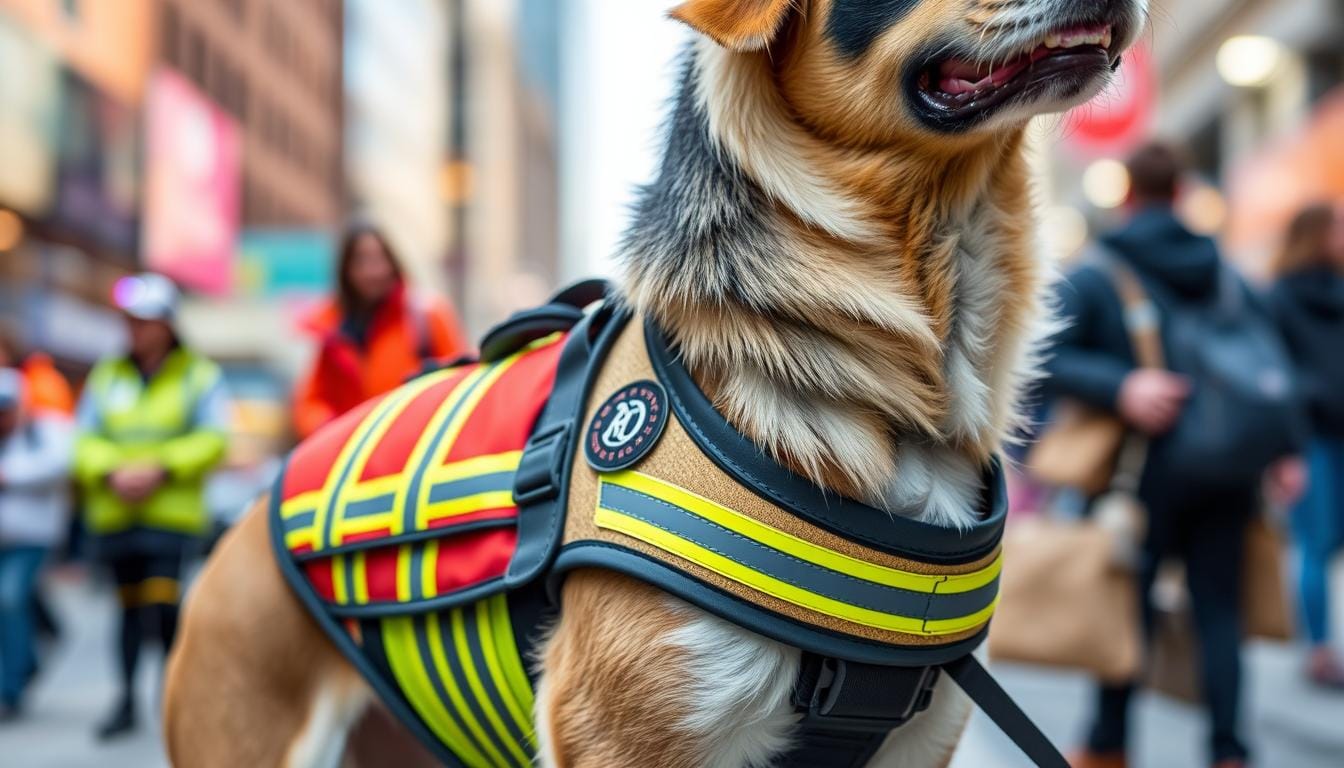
{"x": 866, "y": 72}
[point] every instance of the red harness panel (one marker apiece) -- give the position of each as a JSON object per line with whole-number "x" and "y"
{"x": 409, "y": 498}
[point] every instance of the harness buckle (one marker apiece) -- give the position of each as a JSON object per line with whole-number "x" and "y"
{"x": 540, "y": 473}
{"x": 834, "y": 694}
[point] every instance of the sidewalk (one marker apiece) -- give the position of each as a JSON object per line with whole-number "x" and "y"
{"x": 75, "y": 690}
{"x": 1292, "y": 724}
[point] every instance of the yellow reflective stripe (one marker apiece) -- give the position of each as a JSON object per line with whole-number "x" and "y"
{"x": 508, "y": 653}
{"x": 426, "y": 442}
{"x": 476, "y": 466}
{"x": 404, "y": 573}
{"x": 365, "y": 524}
{"x": 400, "y": 400}
{"x": 489, "y": 377}
{"x": 491, "y": 650}
{"x": 429, "y": 561}
{"x": 800, "y": 548}
{"x": 969, "y": 582}
{"x": 342, "y": 460}
{"x": 296, "y": 539}
{"x": 954, "y": 626}
{"x": 435, "y": 639}
{"x": 338, "y": 579}
{"x": 467, "y": 504}
{"x": 758, "y": 581}
{"x": 404, "y": 657}
{"x": 304, "y": 502}
{"x": 361, "y": 579}
{"x": 478, "y": 689}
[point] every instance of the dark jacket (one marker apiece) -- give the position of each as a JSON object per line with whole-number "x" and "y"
{"x": 1090, "y": 358}
{"x": 1309, "y": 308}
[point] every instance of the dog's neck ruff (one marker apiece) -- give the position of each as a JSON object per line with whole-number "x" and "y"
{"x": 429, "y": 532}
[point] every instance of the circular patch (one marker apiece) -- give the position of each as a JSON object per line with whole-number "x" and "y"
{"x": 626, "y": 426}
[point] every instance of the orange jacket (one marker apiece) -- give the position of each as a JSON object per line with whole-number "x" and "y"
{"x": 47, "y": 390}
{"x": 401, "y": 335}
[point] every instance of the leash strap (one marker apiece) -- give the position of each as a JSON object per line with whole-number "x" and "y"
{"x": 849, "y": 709}
{"x": 995, "y": 702}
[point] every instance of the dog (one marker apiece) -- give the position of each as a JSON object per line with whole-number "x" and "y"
{"x": 841, "y": 245}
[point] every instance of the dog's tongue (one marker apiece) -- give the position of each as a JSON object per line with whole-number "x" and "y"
{"x": 957, "y": 76}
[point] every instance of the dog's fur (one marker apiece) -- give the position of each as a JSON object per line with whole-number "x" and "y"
{"x": 857, "y": 289}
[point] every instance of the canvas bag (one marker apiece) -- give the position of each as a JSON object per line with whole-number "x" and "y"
{"x": 1069, "y": 600}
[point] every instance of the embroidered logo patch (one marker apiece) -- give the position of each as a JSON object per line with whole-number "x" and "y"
{"x": 626, "y": 426}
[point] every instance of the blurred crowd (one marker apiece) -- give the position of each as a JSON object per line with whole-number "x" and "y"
{"x": 134, "y": 451}
{"x": 1227, "y": 403}
{"x": 1234, "y": 394}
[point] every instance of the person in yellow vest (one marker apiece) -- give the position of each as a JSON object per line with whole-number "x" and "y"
{"x": 152, "y": 425}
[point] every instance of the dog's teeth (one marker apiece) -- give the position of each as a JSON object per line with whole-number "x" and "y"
{"x": 1106, "y": 39}
{"x": 1052, "y": 41}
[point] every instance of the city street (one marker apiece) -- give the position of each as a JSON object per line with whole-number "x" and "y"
{"x": 1295, "y": 726}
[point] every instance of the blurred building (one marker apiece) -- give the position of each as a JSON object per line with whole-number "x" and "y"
{"x": 70, "y": 167}
{"x": 502, "y": 181}
{"x": 272, "y": 73}
{"x": 164, "y": 133}
{"x": 275, "y": 66}
{"x": 396, "y": 111}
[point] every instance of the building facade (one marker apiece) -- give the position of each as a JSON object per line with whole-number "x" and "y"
{"x": 276, "y": 67}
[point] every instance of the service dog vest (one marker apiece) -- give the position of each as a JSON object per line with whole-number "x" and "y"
{"x": 429, "y": 530}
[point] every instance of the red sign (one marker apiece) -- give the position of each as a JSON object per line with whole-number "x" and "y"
{"x": 192, "y": 186}
{"x": 1117, "y": 121}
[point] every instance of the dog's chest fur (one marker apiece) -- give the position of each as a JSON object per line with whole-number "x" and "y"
{"x": 886, "y": 364}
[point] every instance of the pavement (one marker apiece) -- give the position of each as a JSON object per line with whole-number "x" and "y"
{"x": 76, "y": 690}
{"x": 1293, "y": 725}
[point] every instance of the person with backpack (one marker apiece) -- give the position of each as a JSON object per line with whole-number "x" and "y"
{"x": 152, "y": 424}
{"x": 35, "y": 451}
{"x": 1308, "y": 301}
{"x": 372, "y": 335}
{"x": 1226, "y": 378}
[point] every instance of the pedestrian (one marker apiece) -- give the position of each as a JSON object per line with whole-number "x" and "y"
{"x": 373, "y": 335}
{"x": 47, "y": 394}
{"x": 45, "y": 388}
{"x": 152, "y": 424}
{"x": 1203, "y": 524}
{"x": 35, "y": 452}
{"x": 1308, "y": 301}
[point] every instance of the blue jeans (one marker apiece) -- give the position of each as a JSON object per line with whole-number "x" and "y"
{"x": 19, "y": 566}
{"x": 1318, "y": 524}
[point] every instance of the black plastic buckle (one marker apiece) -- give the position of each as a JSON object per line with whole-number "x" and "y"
{"x": 850, "y": 696}
{"x": 540, "y": 473}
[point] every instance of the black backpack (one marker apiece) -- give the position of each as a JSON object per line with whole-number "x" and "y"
{"x": 1243, "y": 413}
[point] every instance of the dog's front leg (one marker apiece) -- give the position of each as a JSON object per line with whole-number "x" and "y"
{"x": 632, "y": 677}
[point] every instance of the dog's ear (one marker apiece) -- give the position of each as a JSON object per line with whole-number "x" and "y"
{"x": 739, "y": 25}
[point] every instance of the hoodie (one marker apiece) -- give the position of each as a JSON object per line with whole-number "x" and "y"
{"x": 1173, "y": 261}
{"x": 1091, "y": 357}
{"x": 1309, "y": 309}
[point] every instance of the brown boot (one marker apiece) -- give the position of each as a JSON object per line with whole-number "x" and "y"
{"x": 1090, "y": 760}
{"x": 1230, "y": 764}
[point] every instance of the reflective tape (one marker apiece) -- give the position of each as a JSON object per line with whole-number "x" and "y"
{"x": 801, "y": 572}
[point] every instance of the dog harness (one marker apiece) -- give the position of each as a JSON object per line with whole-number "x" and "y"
{"x": 429, "y": 532}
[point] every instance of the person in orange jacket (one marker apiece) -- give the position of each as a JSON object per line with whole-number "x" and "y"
{"x": 46, "y": 390}
{"x": 373, "y": 335}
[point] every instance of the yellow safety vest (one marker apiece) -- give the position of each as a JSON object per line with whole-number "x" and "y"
{"x": 154, "y": 420}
